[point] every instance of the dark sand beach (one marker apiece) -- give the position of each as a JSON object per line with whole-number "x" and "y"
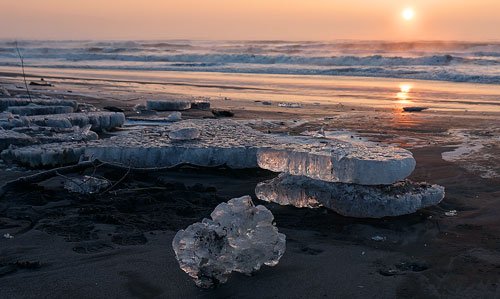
{"x": 118, "y": 244}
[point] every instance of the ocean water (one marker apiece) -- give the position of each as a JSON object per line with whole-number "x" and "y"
{"x": 475, "y": 62}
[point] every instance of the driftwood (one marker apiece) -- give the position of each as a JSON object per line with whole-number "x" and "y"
{"x": 45, "y": 175}
{"x": 158, "y": 169}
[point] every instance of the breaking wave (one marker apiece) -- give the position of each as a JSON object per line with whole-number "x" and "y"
{"x": 447, "y": 61}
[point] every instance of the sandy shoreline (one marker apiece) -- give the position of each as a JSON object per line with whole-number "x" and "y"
{"x": 119, "y": 245}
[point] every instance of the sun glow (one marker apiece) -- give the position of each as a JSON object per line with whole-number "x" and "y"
{"x": 405, "y": 88}
{"x": 404, "y": 95}
{"x": 408, "y": 14}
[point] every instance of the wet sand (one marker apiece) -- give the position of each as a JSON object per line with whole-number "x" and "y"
{"x": 119, "y": 244}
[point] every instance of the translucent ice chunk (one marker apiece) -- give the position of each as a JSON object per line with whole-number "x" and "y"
{"x": 240, "y": 237}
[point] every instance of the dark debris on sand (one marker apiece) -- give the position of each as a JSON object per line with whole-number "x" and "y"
{"x": 134, "y": 207}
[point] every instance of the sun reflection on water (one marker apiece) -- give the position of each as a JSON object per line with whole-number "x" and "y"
{"x": 404, "y": 95}
{"x": 404, "y": 98}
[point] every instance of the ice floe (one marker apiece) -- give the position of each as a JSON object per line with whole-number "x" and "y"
{"x": 350, "y": 200}
{"x": 226, "y": 142}
{"x": 34, "y": 109}
{"x": 5, "y": 103}
{"x": 99, "y": 121}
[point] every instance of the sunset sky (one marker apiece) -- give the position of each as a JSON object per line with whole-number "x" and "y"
{"x": 252, "y": 19}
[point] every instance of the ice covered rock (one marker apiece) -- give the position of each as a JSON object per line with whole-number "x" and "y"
{"x": 34, "y": 109}
{"x": 240, "y": 237}
{"x": 350, "y": 200}
{"x": 174, "y": 116}
{"x": 86, "y": 184}
{"x": 168, "y": 105}
{"x": 12, "y": 102}
{"x": 184, "y": 134}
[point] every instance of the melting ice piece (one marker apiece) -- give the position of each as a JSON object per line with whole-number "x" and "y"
{"x": 86, "y": 184}
{"x": 171, "y": 105}
{"x": 240, "y": 237}
{"x": 174, "y": 116}
{"x": 350, "y": 200}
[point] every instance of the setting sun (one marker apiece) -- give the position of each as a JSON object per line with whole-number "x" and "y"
{"x": 408, "y": 14}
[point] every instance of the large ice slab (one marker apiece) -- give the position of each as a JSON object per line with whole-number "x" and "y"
{"x": 39, "y": 110}
{"x": 240, "y": 237}
{"x": 350, "y": 200}
{"x": 225, "y": 142}
{"x": 99, "y": 121}
{"x": 219, "y": 143}
{"x": 12, "y": 102}
{"x": 25, "y": 136}
{"x": 338, "y": 161}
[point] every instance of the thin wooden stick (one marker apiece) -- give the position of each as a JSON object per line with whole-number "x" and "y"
{"x": 118, "y": 182}
{"x": 24, "y": 74}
